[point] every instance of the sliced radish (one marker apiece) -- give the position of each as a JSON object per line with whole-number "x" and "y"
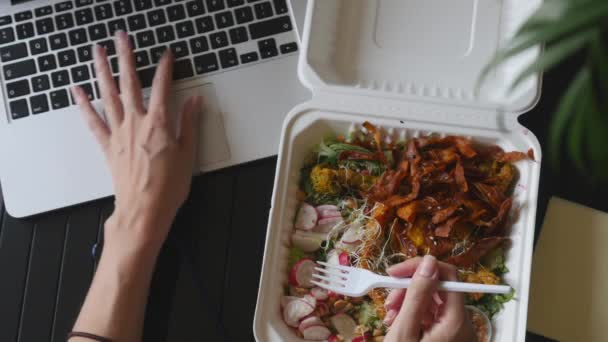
{"x": 326, "y": 224}
{"x": 345, "y": 325}
{"x": 312, "y": 301}
{"x": 333, "y": 257}
{"x": 344, "y": 259}
{"x": 351, "y": 238}
{"x": 287, "y": 299}
{"x": 316, "y": 333}
{"x": 333, "y": 338}
{"x": 319, "y": 293}
{"x": 295, "y": 310}
{"x": 326, "y": 207}
{"x": 301, "y": 273}
{"x": 328, "y": 211}
{"x": 307, "y": 241}
{"x": 307, "y": 217}
{"x": 361, "y": 338}
{"x": 310, "y": 322}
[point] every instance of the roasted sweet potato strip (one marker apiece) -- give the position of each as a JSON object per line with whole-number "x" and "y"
{"x": 476, "y": 251}
{"x": 512, "y": 157}
{"x": 377, "y": 139}
{"x": 460, "y": 178}
{"x": 489, "y": 194}
{"x": 445, "y": 229}
{"x": 443, "y": 214}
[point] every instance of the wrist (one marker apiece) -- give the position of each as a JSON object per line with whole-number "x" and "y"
{"x": 128, "y": 232}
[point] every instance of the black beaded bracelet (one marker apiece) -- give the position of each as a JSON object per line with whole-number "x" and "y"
{"x": 89, "y": 336}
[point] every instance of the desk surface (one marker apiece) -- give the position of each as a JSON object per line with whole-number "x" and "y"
{"x": 46, "y": 264}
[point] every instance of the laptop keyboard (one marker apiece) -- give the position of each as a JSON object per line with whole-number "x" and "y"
{"x": 45, "y": 51}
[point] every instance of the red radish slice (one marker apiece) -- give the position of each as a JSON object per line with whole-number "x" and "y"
{"x": 326, "y": 224}
{"x": 312, "y": 301}
{"x": 295, "y": 310}
{"x": 325, "y": 213}
{"x": 333, "y": 257}
{"x": 319, "y": 293}
{"x": 344, "y": 259}
{"x": 306, "y": 241}
{"x": 287, "y": 299}
{"x": 327, "y": 207}
{"x": 352, "y": 236}
{"x": 333, "y": 338}
{"x": 316, "y": 333}
{"x": 361, "y": 338}
{"x": 345, "y": 325}
{"x": 307, "y": 217}
{"x": 301, "y": 273}
{"x": 308, "y": 322}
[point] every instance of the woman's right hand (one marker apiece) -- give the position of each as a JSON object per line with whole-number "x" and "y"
{"x": 413, "y": 315}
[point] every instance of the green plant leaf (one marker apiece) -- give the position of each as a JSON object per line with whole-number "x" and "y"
{"x": 584, "y": 18}
{"x": 554, "y": 55}
{"x": 576, "y": 133}
{"x": 599, "y": 56}
{"x": 565, "y": 109}
{"x": 548, "y": 12}
{"x": 596, "y": 139}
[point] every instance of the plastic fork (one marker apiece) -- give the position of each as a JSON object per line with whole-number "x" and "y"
{"x": 356, "y": 282}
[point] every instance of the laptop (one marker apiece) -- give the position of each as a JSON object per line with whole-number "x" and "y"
{"x": 241, "y": 55}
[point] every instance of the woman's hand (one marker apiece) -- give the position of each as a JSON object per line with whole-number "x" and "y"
{"x": 415, "y": 316}
{"x": 150, "y": 152}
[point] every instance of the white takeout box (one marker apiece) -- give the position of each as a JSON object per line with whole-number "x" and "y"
{"x": 411, "y": 67}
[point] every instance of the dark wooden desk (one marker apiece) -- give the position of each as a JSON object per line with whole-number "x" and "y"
{"x": 206, "y": 282}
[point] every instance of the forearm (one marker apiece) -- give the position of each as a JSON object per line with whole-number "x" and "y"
{"x": 116, "y": 301}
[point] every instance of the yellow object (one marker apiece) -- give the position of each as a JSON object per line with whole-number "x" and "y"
{"x": 569, "y": 291}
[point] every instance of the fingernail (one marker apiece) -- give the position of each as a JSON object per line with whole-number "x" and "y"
{"x": 119, "y": 33}
{"x": 427, "y": 267}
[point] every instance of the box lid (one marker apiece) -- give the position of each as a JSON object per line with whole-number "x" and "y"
{"x": 417, "y": 50}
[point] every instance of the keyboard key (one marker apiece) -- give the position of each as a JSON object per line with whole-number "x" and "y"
{"x": 224, "y": 19}
{"x": 82, "y": 3}
{"x": 268, "y": 48}
{"x": 218, "y": 39}
{"x": 109, "y": 46}
{"x": 263, "y": 10}
{"x": 59, "y": 99}
{"x": 39, "y": 103}
{"x": 179, "y": 49}
{"x": 141, "y": 59}
{"x": 19, "y": 69}
{"x": 289, "y": 47}
{"x": 64, "y": 21}
{"x": 60, "y": 78}
{"x": 206, "y": 63}
{"x": 146, "y": 76}
{"x": 228, "y": 58}
{"x": 117, "y": 24}
{"x": 280, "y": 6}
{"x": 67, "y": 57}
{"x": 43, "y": 11}
{"x": 185, "y": 29}
{"x": 243, "y": 15}
{"x": 88, "y": 89}
{"x": 98, "y": 31}
{"x": 176, "y": 12}
{"x": 165, "y": 34}
{"x": 103, "y": 12}
{"x": 199, "y": 44}
{"x": 204, "y": 24}
{"x": 63, "y": 6}
{"x": 238, "y": 35}
{"x": 234, "y": 3}
{"x": 41, "y": 83}
{"x": 136, "y": 22}
{"x": 195, "y": 8}
{"x": 141, "y": 5}
{"x": 80, "y": 73}
{"x": 84, "y": 16}
{"x": 145, "y": 39}
{"x": 47, "y": 62}
{"x": 249, "y": 57}
{"x": 5, "y": 20}
{"x": 85, "y": 53}
{"x": 17, "y": 88}
{"x": 182, "y": 69}
{"x": 58, "y": 41}
{"x": 215, "y": 5}
{"x": 123, "y": 7}
{"x": 25, "y": 30}
{"x": 12, "y": 52}
{"x": 270, "y": 27}
{"x": 7, "y": 35}
{"x": 157, "y": 17}
{"x": 44, "y": 26}
{"x": 78, "y": 36}
{"x": 157, "y": 53}
{"x": 114, "y": 65}
{"x": 25, "y": 15}
{"x": 19, "y": 109}
{"x": 158, "y": 3}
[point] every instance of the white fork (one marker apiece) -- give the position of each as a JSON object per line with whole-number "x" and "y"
{"x": 356, "y": 282}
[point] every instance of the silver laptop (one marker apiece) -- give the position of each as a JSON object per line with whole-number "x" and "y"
{"x": 241, "y": 55}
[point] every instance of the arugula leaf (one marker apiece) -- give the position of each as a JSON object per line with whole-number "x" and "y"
{"x": 491, "y": 304}
{"x": 295, "y": 255}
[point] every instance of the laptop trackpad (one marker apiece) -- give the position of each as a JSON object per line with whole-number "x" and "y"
{"x": 213, "y": 143}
